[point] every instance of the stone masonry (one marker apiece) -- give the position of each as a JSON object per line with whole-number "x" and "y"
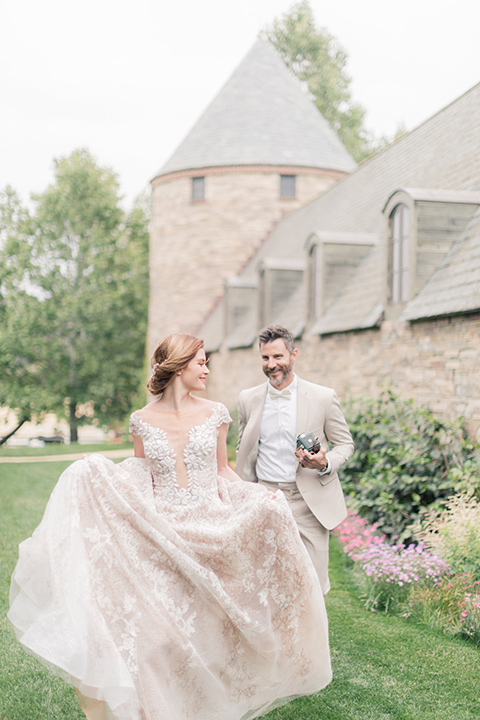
{"x": 435, "y": 362}
{"x": 196, "y": 244}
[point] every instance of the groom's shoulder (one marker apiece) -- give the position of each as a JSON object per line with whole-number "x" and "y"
{"x": 312, "y": 388}
{"x": 251, "y": 392}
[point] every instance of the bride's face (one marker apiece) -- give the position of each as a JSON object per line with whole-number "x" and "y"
{"x": 195, "y": 374}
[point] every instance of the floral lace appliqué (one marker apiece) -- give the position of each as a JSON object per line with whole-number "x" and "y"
{"x": 199, "y": 456}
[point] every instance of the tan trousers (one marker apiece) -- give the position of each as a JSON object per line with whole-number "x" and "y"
{"x": 314, "y": 535}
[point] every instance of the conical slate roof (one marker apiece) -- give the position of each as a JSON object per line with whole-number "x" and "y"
{"x": 261, "y": 117}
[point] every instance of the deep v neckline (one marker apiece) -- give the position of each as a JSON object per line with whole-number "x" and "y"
{"x": 172, "y": 453}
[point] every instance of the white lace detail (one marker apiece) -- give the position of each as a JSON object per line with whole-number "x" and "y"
{"x": 199, "y": 456}
{"x": 194, "y": 605}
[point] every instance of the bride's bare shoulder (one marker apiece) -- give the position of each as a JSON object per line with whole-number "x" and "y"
{"x": 146, "y": 409}
{"x": 204, "y": 403}
{"x": 151, "y": 413}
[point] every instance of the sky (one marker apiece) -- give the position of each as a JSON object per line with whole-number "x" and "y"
{"x": 128, "y": 79}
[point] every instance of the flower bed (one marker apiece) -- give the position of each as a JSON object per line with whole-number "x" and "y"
{"x": 410, "y": 580}
{"x": 452, "y": 605}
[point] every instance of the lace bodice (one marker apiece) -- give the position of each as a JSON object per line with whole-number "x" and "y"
{"x": 199, "y": 456}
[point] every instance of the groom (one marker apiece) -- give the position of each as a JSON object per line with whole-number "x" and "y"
{"x": 270, "y": 416}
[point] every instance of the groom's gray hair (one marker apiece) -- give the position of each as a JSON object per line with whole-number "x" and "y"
{"x": 276, "y": 332}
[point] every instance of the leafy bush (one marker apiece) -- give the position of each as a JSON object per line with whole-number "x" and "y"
{"x": 405, "y": 459}
{"x": 232, "y": 438}
{"x": 454, "y": 533}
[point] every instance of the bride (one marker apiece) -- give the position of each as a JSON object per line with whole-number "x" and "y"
{"x": 164, "y": 587}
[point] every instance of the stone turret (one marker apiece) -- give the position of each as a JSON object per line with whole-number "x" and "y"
{"x": 260, "y": 150}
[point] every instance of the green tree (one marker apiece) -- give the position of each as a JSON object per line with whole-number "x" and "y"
{"x": 73, "y": 297}
{"x": 18, "y": 389}
{"x": 318, "y": 60}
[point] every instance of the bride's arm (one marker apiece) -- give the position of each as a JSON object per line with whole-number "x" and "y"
{"x": 223, "y": 467}
{"x": 138, "y": 447}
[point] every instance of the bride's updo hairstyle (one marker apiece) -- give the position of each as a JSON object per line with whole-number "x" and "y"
{"x": 172, "y": 355}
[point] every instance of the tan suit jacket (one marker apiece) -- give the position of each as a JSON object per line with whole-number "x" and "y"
{"x": 318, "y": 411}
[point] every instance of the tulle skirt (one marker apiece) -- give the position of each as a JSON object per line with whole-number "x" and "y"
{"x": 206, "y": 610}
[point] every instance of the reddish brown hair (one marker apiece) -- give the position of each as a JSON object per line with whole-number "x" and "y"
{"x": 172, "y": 355}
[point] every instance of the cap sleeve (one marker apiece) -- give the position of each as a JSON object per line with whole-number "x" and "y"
{"x": 223, "y": 416}
{"x": 135, "y": 425}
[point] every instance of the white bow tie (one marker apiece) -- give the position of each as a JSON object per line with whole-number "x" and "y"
{"x": 274, "y": 393}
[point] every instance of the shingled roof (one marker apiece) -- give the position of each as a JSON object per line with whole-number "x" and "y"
{"x": 262, "y": 116}
{"x": 455, "y": 286}
{"x": 443, "y": 153}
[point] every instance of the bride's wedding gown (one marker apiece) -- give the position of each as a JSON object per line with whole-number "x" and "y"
{"x": 163, "y": 602}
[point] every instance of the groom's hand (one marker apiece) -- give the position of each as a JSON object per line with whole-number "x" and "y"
{"x": 313, "y": 461}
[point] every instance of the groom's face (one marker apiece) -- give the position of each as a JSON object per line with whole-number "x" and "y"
{"x": 277, "y": 362}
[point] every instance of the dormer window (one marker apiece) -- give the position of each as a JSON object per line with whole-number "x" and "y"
{"x": 240, "y": 305}
{"x": 287, "y": 186}
{"x": 332, "y": 259}
{"x": 279, "y": 281}
{"x": 198, "y": 188}
{"x": 399, "y": 254}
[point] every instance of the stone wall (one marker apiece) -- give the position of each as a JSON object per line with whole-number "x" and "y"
{"x": 436, "y": 362}
{"x": 196, "y": 244}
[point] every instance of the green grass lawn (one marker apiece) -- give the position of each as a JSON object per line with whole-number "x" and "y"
{"x": 27, "y": 690}
{"x": 385, "y": 668}
{"x": 62, "y": 449}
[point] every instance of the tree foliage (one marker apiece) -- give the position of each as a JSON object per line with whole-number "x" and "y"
{"x": 73, "y": 297}
{"x": 318, "y": 60}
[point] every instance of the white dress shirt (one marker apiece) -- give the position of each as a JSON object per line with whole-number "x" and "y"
{"x": 276, "y": 460}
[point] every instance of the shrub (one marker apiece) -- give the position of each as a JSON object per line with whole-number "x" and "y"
{"x": 454, "y": 533}
{"x": 470, "y": 617}
{"x": 452, "y": 605}
{"x": 405, "y": 459}
{"x": 232, "y": 438}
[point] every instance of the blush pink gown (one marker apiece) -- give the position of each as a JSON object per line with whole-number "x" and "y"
{"x": 165, "y": 603}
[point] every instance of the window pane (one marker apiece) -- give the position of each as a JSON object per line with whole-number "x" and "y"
{"x": 396, "y": 224}
{"x": 396, "y": 255}
{"x": 404, "y": 244}
{"x": 198, "y": 188}
{"x": 399, "y": 254}
{"x": 395, "y": 288}
{"x": 405, "y": 220}
{"x": 404, "y": 289}
{"x": 312, "y": 284}
{"x": 287, "y": 186}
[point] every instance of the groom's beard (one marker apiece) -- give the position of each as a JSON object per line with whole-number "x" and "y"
{"x": 282, "y": 372}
